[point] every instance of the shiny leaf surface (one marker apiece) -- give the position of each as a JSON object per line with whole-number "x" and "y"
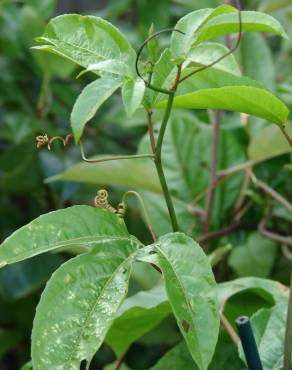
{"x": 74, "y": 226}
{"x": 79, "y": 304}
{"x": 191, "y": 289}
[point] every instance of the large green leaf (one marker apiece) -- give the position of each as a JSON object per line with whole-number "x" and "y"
{"x": 79, "y": 304}
{"x": 269, "y": 142}
{"x": 246, "y": 99}
{"x": 138, "y": 315}
{"x": 254, "y": 258}
{"x": 75, "y": 226}
{"x": 137, "y": 173}
{"x": 86, "y": 40}
{"x": 88, "y": 102}
{"x": 191, "y": 289}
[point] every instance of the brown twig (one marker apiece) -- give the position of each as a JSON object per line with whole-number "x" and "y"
{"x": 287, "y": 240}
{"x": 229, "y": 329}
{"x": 268, "y": 190}
{"x": 120, "y": 361}
{"x": 285, "y": 133}
{"x": 226, "y": 231}
{"x": 213, "y": 172}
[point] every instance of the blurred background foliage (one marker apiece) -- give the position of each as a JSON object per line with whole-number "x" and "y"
{"x": 37, "y": 92}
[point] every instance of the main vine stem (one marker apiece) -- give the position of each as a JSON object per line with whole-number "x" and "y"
{"x": 158, "y": 163}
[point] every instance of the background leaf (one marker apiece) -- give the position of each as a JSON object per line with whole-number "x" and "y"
{"x": 132, "y": 95}
{"x": 254, "y": 258}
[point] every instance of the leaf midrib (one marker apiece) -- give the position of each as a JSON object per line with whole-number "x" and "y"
{"x": 185, "y": 295}
{"x": 74, "y": 350}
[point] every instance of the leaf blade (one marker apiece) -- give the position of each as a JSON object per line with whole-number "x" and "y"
{"x": 74, "y": 226}
{"x": 88, "y": 102}
{"x": 78, "y": 306}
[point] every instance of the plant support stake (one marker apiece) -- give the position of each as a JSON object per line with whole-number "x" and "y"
{"x": 248, "y": 343}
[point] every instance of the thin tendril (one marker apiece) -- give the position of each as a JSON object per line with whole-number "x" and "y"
{"x": 111, "y": 158}
{"x": 231, "y": 51}
{"x": 148, "y": 83}
{"x": 146, "y": 215}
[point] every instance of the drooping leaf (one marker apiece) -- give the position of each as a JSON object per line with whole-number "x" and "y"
{"x": 208, "y": 52}
{"x": 114, "y": 365}
{"x": 138, "y": 315}
{"x": 254, "y": 258}
{"x": 86, "y": 40}
{"x": 269, "y": 142}
{"x": 191, "y": 289}
{"x": 79, "y": 304}
{"x": 88, "y": 102}
{"x": 270, "y": 290}
{"x": 137, "y": 173}
{"x": 132, "y": 95}
{"x": 246, "y": 99}
{"x": 74, "y": 226}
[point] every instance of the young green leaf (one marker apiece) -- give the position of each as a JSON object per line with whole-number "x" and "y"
{"x": 132, "y": 95}
{"x": 190, "y": 24}
{"x": 208, "y": 52}
{"x": 86, "y": 40}
{"x": 138, "y": 315}
{"x": 79, "y": 304}
{"x": 229, "y": 23}
{"x": 110, "y": 66}
{"x": 191, "y": 289}
{"x": 74, "y": 226}
{"x": 88, "y": 102}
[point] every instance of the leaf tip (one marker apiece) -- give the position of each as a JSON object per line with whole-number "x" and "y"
{"x": 3, "y": 264}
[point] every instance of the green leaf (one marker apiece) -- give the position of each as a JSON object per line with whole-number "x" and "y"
{"x": 191, "y": 24}
{"x": 191, "y": 289}
{"x": 88, "y": 102}
{"x": 86, "y": 40}
{"x": 112, "y": 66}
{"x": 257, "y": 59}
{"x": 209, "y": 52}
{"x": 138, "y": 173}
{"x": 186, "y": 158}
{"x": 132, "y": 95}
{"x": 246, "y": 99}
{"x": 74, "y": 226}
{"x": 177, "y": 358}
{"x": 79, "y": 304}
{"x": 270, "y": 290}
{"x": 114, "y": 366}
{"x": 255, "y": 258}
{"x": 138, "y": 315}
{"x": 27, "y": 366}
{"x": 269, "y": 330}
{"x": 269, "y": 142}
{"x": 251, "y": 22}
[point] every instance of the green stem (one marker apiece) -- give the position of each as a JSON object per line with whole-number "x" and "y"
{"x": 158, "y": 164}
{"x": 288, "y": 335}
